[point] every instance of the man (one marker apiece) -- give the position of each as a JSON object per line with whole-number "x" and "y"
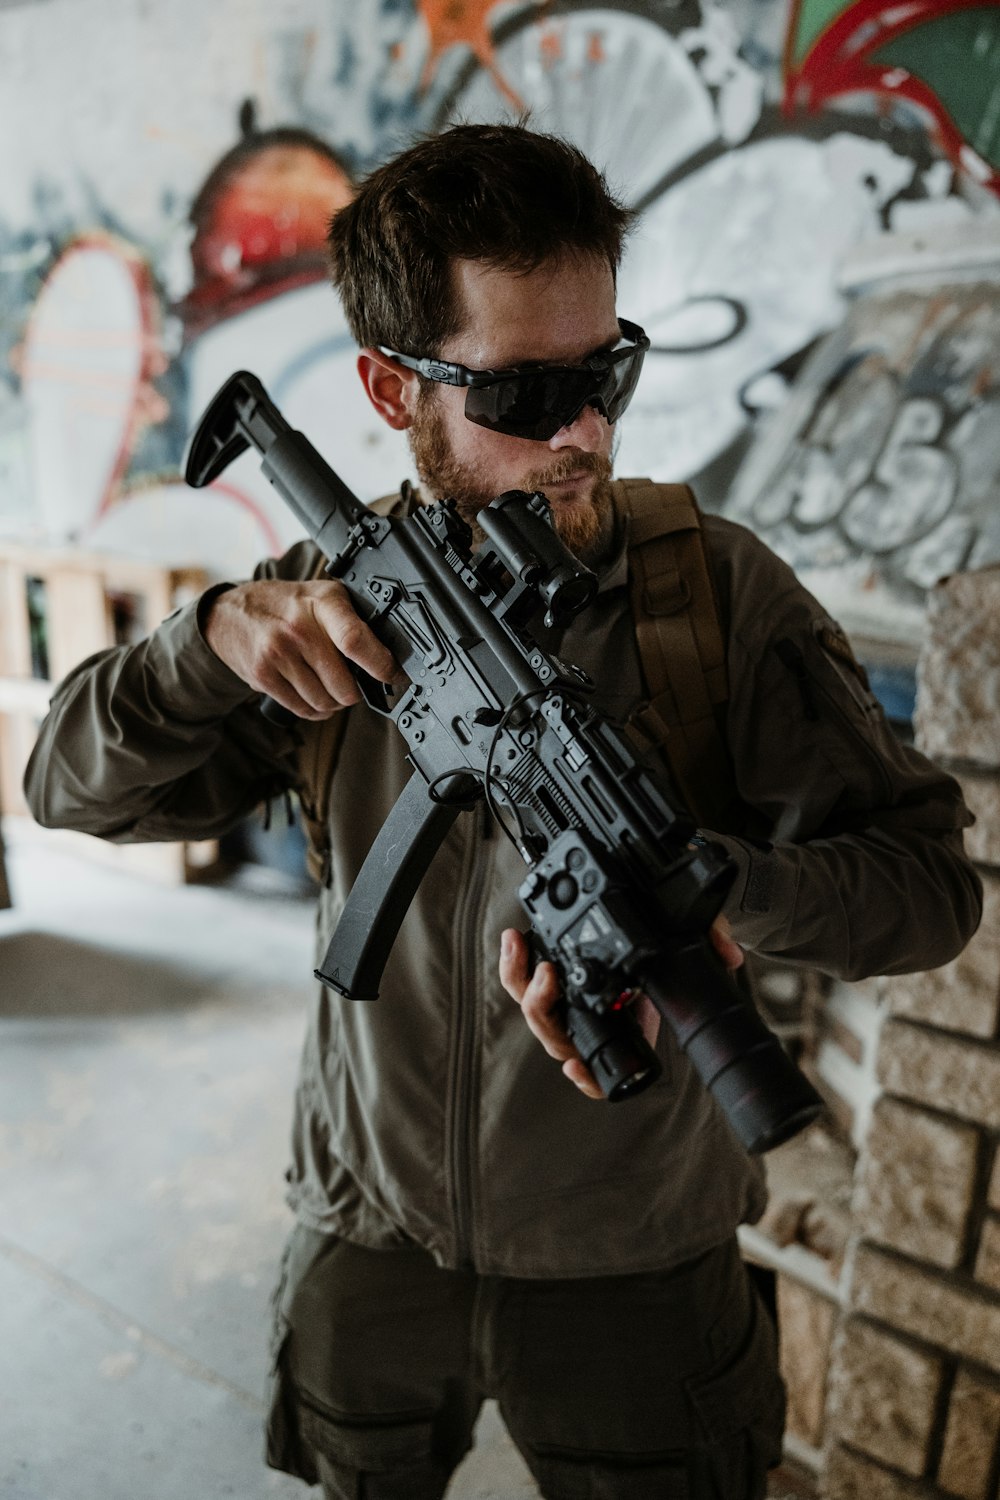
{"x": 471, "y": 1224}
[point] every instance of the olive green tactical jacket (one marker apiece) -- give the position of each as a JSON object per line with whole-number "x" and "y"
{"x": 433, "y": 1116}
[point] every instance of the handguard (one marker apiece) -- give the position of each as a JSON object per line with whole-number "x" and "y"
{"x": 618, "y": 898}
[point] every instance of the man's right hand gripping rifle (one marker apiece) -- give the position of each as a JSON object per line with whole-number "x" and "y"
{"x": 620, "y": 901}
{"x": 298, "y": 643}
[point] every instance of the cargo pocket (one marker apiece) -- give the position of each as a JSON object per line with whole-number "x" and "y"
{"x": 740, "y": 1407}
{"x": 387, "y": 1459}
{"x": 284, "y": 1446}
{"x": 285, "y": 1449}
{"x": 279, "y": 1322}
{"x": 563, "y": 1474}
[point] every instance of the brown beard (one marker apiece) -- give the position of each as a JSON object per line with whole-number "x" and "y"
{"x": 585, "y": 525}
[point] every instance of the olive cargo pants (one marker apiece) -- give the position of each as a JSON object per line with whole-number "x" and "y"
{"x": 661, "y": 1386}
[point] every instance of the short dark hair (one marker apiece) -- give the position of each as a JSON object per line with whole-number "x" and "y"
{"x": 503, "y": 195}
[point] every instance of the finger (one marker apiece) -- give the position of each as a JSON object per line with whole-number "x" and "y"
{"x": 722, "y": 940}
{"x": 732, "y": 956}
{"x": 314, "y": 665}
{"x": 293, "y": 660}
{"x": 312, "y": 651}
{"x": 577, "y": 1072}
{"x": 540, "y": 1007}
{"x": 515, "y": 963}
{"x": 279, "y": 686}
{"x": 354, "y": 638}
{"x": 537, "y": 1003}
{"x": 322, "y": 678}
{"x": 648, "y": 1017}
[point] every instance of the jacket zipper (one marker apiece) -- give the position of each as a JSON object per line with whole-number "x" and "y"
{"x": 466, "y": 1002}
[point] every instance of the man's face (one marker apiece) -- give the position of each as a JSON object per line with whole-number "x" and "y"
{"x": 558, "y": 314}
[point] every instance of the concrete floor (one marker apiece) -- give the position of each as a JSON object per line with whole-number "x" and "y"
{"x": 148, "y": 1046}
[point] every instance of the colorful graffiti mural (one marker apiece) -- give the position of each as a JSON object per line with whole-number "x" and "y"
{"x": 882, "y": 473}
{"x": 126, "y": 305}
{"x": 260, "y": 221}
{"x": 729, "y": 298}
{"x": 90, "y": 354}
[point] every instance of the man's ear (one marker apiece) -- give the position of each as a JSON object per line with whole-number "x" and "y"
{"x": 391, "y": 390}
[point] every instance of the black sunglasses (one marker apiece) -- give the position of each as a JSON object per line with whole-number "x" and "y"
{"x": 535, "y": 401}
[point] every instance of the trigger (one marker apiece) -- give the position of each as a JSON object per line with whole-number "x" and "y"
{"x": 375, "y": 693}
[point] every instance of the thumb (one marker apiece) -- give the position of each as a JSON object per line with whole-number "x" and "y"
{"x": 721, "y": 936}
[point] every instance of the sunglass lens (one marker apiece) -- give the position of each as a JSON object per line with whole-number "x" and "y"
{"x": 532, "y": 405}
{"x": 538, "y": 403}
{"x": 621, "y": 381}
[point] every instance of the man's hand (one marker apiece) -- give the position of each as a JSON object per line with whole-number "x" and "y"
{"x": 295, "y": 642}
{"x": 538, "y": 995}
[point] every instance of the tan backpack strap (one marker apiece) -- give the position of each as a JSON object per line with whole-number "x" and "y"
{"x": 680, "y": 640}
{"x": 320, "y": 748}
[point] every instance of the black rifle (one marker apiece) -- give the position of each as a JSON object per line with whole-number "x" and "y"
{"x": 617, "y": 895}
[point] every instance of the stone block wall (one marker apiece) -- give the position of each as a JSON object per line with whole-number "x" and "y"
{"x": 914, "y": 1403}
{"x": 802, "y": 1239}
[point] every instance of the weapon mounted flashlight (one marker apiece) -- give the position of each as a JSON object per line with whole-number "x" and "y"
{"x": 520, "y": 527}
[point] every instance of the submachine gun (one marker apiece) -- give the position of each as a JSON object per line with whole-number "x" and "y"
{"x": 617, "y": 895}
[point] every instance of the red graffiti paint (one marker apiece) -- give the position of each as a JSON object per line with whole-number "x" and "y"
{"x": 260, "y": 227}
{"x": 550, "y": 45}
{"x": 595, "y": 48}
{"x": 853, "y": 54}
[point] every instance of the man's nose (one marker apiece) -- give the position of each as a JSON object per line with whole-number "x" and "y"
{"x": 588, "y": 431}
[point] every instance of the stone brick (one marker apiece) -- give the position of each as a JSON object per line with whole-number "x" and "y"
{"x": 994, "y": 1192}
{"x": 963, "y": 995}
{"x": 947, "y": 1073}
{"x": 924, "y": 1304}
{"x": 850, "y": 1476}
{"x": 917, "y": 1182}
{"x": 958, "y": 677}
{"x": 806, "y": 1320}
{"x": 970, "y": 1438}
{"x": 988, "y": 1255}
{"x": 982, "y": 793}
{"x": 883, "y": 1396}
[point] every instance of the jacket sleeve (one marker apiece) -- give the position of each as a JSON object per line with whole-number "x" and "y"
{"x": 860, "y": 868}
{"x": 160, "y": 740}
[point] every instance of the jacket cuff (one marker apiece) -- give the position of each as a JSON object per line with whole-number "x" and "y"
{"x": 190, "y": 674}
{"x": 762, "y": 899}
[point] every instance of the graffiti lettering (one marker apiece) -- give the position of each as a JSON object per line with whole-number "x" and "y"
{"x": 892, "y": 454}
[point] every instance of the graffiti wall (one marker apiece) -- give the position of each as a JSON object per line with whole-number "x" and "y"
{"x": 162, "y": 220}
{"x": 882, "y": 473}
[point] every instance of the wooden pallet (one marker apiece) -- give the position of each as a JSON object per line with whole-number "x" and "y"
{"x": 89, "y": 601}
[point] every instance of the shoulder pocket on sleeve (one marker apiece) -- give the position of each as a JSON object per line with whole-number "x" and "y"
{"x": 850, "y": 726}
